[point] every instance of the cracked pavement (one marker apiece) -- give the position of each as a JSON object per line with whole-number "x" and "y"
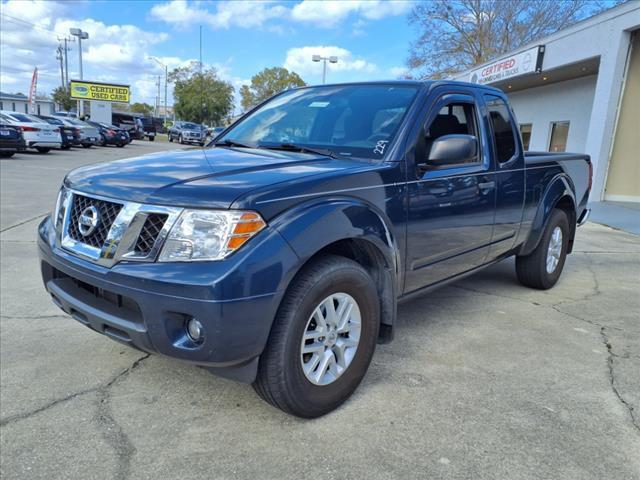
{"x": 485, "y": 379}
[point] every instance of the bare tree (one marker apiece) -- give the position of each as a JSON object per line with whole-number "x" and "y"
{"x": 455, "y": 35}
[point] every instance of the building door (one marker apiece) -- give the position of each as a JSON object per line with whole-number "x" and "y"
{"x": 623, "y": 178}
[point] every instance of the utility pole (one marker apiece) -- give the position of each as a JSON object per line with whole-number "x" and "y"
{"x": 158, "y": 98}
{"x": 65, "y": 51}
{"x": 201, "y": 82}
{"x": 59, "y": 56}
{"x": 166, "y": 80}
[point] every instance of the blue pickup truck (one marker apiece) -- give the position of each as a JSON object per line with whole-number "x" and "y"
{"x": 277, "y": 255}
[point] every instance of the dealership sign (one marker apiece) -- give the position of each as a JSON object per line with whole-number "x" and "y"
{"x": 105, "y": 92}
{"x": 529, "y": 61}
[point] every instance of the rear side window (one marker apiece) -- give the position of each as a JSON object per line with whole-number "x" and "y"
{"x": 503, "y": 136}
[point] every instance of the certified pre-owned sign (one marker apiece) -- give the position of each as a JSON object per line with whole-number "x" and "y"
{"x": 529, "y": 61}
{"x": 106, "y": 92}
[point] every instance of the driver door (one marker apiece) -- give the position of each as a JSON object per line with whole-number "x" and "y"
{"x": 451, "y": 207}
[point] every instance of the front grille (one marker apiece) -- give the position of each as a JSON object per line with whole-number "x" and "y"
{"x": 107, "y": 213}
{"x": 149, "y": 233}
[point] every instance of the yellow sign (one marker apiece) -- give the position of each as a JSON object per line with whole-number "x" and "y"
{"x": 99, "y": 91}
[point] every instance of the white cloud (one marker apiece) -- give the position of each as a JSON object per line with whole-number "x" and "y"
{"x": 299, "y": 60}
{"x": 330, "y": 12}
{"x": 261, "y": 13}
{"x": 245, "y": 14}
{"x": 115, "y": 53}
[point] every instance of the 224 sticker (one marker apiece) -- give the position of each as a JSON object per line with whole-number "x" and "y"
{"x": 380, "y": 146}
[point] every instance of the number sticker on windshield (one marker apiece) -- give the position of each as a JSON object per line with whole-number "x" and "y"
{"x": 380, "y": 146}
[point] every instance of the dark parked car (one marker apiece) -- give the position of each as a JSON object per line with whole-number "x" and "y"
{"x": 127, "y": 121}
{"x": 11, "y": 140}
{"x": 277, "y": 256}
{"x": 70, "y": 134}
{"x": 110, "y": 134}
{"x": 187, "y": 132}
{"x": 147, "y": 126}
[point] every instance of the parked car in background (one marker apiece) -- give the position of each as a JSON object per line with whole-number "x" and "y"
{"x": 89, "y": 135}
{"x": 110, "y": 134}
{"x": 127, "y": 121}
{"x": 37, "y": 133}
{"x": 65, "y": 114}
{"x": 187, "y": 132}
{"x": 213, "y": 132}
{"x": 277, "y": 256}
{"x": 70, "y": 134}
{"x": 11, "y": 140}
{"x": 148, "y": 128}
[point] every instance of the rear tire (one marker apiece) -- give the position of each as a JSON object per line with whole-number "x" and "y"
{"x": 281, "y": 380}
{"x": 170, "y": 139}
{"x": 541, "y": 269}
{"x": 152, "y": 139}
{"x": 43, "y": 149}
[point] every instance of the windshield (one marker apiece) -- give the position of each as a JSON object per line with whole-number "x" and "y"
{"x": 26, "y": 118}
{"x": 190, "y": 126}
{"x": 348, "y": 120}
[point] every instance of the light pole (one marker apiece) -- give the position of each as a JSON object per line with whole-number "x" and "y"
{"x": 166, "y": 79}
{"x": 318, "y": 58}
{"x": 76, "y": 32}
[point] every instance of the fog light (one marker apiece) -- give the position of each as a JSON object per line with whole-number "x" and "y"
{"x": 195, "y": 330}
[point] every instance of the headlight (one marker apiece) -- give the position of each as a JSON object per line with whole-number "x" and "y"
{"x": 58, "y": 214}
{"x": 209, "y": 234}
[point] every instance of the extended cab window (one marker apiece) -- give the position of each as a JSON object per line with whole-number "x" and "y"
{"x": 503, "y": 137}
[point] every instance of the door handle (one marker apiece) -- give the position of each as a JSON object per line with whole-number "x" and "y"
{"x": 486, "y": 185}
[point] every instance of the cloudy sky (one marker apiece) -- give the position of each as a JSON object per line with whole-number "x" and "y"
{"x": 370, "y": 37}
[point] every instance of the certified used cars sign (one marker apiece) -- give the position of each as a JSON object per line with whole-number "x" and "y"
{"x": 106, "y": 92}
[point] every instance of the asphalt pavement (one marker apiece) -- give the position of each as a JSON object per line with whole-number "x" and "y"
{"x": 485, "y": 379}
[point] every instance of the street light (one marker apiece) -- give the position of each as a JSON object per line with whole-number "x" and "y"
{"x": 76, "y": 32}
{"x": 166, "y": 79}
{"x": 318, "y": 58}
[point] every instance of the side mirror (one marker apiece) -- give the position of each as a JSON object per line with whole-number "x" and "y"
{"x": 452, "y": 150}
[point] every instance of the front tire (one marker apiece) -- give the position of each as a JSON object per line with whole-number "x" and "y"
{"x": 322, "y": 339}
{"x": 541, "y": 269}
{"x": 180, "y": 139}
{"x": 170, "y": 139}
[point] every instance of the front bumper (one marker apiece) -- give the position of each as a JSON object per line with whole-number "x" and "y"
{"x": 147, "y": 305}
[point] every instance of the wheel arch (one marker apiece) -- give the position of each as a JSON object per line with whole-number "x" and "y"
{"x": 558, "y": 195}
{"x": 352, "y": 229}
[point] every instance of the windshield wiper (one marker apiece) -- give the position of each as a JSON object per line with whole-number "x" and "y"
{"x": 292, "y": 147}
{"x": 232, "y": 143}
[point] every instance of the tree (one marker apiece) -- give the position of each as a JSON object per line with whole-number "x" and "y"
{"x": 266, "y": 84}
{"x": 143, "y": 108}
{"x": 455, "y": 35}
{"x": 61, "y": 97}
{"x": 200, "y": 97}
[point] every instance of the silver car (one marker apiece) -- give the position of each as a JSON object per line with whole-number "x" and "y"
{"x": 89, "y": 135}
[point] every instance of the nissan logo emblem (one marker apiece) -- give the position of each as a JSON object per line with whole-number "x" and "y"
{"x": 88, "y": 220}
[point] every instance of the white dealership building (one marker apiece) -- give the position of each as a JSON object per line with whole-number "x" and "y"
{"x": 579, "y": 90}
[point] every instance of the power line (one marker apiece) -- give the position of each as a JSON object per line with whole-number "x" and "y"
{"x": 25, "y": 22}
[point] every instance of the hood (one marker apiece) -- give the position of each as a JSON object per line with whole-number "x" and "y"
{"x": 206, "y": 178}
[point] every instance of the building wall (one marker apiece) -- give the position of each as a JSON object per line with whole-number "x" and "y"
{"x": 571, "y": 101}
{"x": 21, "y": 106}
{"x": 623, "y": 180}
